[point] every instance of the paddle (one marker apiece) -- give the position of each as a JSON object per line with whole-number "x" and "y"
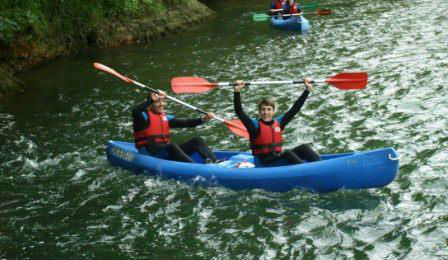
{"x": 276, "y": 10}
{"x": 343, "y": 81}
{"x": 316, "y": 5}
{"x": 235, "y": 126}
{"x": 261, "y": 17}
{"x": 309, "y": 6}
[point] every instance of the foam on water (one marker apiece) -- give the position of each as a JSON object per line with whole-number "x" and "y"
{"x": 60, "y": 198}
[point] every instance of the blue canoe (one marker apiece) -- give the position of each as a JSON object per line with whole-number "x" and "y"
{"x": 292, "y": 24}
{"x": 354, "y": 170}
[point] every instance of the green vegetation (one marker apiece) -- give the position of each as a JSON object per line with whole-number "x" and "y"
{"x": 9, "y": 84}
{"x": 71, "y": 20}
{"x": 32, "y": 31}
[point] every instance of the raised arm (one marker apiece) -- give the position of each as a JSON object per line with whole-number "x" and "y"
{"x": 245, "y": 119}
{"x": 289, "y": 115}
{"x": 140, "y": 120}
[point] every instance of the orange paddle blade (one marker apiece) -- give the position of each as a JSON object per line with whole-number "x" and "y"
{"x": 323, "y": 11}
{"x": 237, "y": 127}
{"x": 181, "y": 85}
{"x": 106, "y": 69}
{"x": 349, "y": 80}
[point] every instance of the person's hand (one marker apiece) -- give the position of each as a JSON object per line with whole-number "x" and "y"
{"x": 162, "y": 94}
{"x": 208, "y": 116}
{"x": 157, "y": 96}
{"x": 308, "y": 84}
{"x": 239, "y": 86}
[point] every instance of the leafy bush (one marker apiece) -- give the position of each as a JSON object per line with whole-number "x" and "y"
{"x": 69, "y": 19}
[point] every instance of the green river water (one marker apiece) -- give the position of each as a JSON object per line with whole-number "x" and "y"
{"x": 61, "y": 199}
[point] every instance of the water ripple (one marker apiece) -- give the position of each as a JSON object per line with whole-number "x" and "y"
{"x": 60, "y": 198}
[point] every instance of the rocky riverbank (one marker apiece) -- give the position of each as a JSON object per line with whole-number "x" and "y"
{"x": 25, "y": 50}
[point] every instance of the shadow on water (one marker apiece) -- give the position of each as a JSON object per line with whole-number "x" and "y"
{"x": 338, "y": 201}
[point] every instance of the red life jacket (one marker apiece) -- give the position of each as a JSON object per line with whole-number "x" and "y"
{"x": 269, "y": 139}
{"x": 158, "y": 131}
{"x": 278, "y": 4}
{"x": 294, "y": 9}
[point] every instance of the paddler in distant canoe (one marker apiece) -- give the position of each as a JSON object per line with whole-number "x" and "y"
{"x": 277, "y": 7}
{"x": 266, "y": 133}
{"x": 152, "y": 132}
{"x": 292, "y": 8}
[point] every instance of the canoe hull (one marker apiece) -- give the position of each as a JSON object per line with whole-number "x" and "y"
{"x": 299, "y": 24}
{"x": 359, "y": 170}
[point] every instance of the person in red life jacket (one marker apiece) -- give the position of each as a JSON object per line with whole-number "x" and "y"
{"x": 265, "y": 133}
{"x": 276, "y": 5}
{"x": 292, "y": 8}
{"x": 152, "y": 132}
